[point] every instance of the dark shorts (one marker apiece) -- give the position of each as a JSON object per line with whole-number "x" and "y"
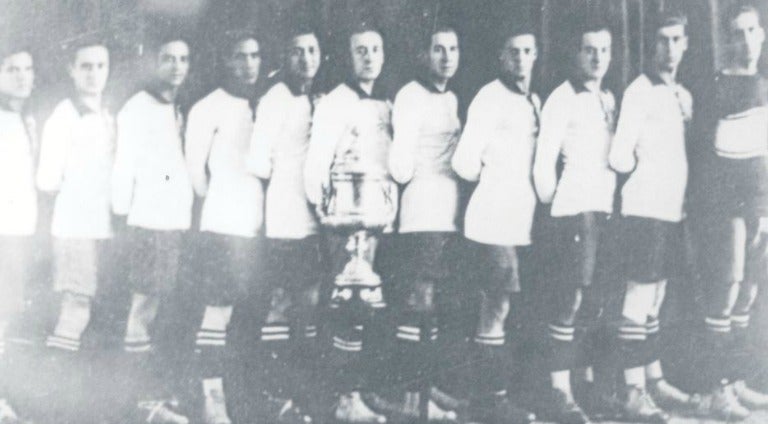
{"x": 577, "y": 242}
{"x": 425, "y": 256}
{"x": 648, "y": 248}
{"x": 15, "y": 262}
{"x": 496, "y": 268}
{"x": 293, "y": 264}
{"x": 227, "y": 266}
{"x": 153, "y": 260}
{"x": 731, "y": 187}
{"x": 720, "y": 260}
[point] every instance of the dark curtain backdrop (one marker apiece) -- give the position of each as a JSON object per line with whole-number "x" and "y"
{"x": 129, "y": 23}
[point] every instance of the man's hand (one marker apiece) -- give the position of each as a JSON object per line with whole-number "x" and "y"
{"x": 760, "y": 242}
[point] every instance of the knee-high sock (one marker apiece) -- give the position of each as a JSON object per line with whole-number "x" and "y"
{"x": 719, "y": 363}
{"x": 140, "y": 318}
{"x": 562, "y": 349}
{"x": 273, "y": 349}
{"x": 491, "y": 370}
{"x": 211, "y": 340}
{"x": 73, "y": 320}
{"x": 719, "y": 345}
{"x": 413, "y": 358}
{"x": 652, "y": 352}
{"x": 743, "y": 352}
{"x": 343, "y": 368}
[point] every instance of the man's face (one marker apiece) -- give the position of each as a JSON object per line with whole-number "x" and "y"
{"x": 747, "y": 38}
{"x": 17, "y": 75}
{"x": 245, "y": 61}
{"x": 518, "y": 55}
{"x": 671, "y": 44}
{"x": 304, "y": 56}
{"x": 595, "y": 54}
{"x": 90, "y": 69}
{"x": 444, "y": 55}
{"x": 173, "y": 63}
{"x": 367, "y": 50}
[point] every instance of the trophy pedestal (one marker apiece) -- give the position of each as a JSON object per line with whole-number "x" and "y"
{"x": 358, "y": 281}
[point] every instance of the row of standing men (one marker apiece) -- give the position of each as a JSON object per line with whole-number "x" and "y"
{"x": 266, "y": 159}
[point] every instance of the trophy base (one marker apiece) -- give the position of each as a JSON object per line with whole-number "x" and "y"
{"x": 358, "y": 281}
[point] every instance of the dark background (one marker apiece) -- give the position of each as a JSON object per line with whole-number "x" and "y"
{"x": 128, "y": 24}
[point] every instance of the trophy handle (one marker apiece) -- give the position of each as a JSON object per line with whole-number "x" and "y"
{"x": 329, "y": 193}
{"x": 390, "y": 193}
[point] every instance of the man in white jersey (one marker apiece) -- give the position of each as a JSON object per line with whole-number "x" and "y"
{"x": 18, "y": 198}
{"x": 420, "y": 160}
{"x": 650, "y": 145}
{"x": 76, "y": 158}
{"x": 729, "y": 198}
{"x": 354, "y": 114}
{"x": 292, "y": 268}
{"x": 496, "y": 151}
{"x": 217, "y": 142}
{"x": 577, "y": 123}
{"x": 150, "y": 188}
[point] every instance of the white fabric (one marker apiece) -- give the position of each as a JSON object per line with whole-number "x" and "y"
{"x": 578, "y": 125}
{"x": 18, "y": 198}
{"x": 76, "y": 157}
{"x": 650, "y": 138}
{"x": 743, "y": 135}
{"x": 344, "y": 120}
{"x": 150, "y": 182}
{"x": 420, "y": 156}
{"x": 497, "y": 149}
{"x": 218, "y": 135}
{"x": 277, "y": 153}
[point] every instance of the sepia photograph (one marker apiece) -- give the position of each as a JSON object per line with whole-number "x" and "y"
{"x": 383, "y": 212}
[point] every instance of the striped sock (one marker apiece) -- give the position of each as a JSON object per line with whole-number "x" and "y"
{"x": 740, "y": 321}
{"x": 718, "y": 324}
{"x": 491, "y": 367}
{"x": 632, "y": 340}
{"x": 210, "y": 338}
{"x": 718, "y": 351}
{"x": 275, "y": 332}
{"x": 310, "y": 331}
{"x": 652, "y": 341}
{"x": 137, "y": 344}
{"x": 562, "y": 349}
{"x": 63, "y": 343}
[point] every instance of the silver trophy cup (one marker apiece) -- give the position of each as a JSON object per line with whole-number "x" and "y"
{"x": 360, "y": 202}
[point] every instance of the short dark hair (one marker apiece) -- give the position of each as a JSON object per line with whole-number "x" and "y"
{"x": 361, "y": 27}
{"x": 668, "y": 18}
{"x": 73, "y": 46}
{"x": 296, "y": 30}
{"x": 737, "y": 10}
{"x": 588, "y": 25}
{"x": 506, "y": 33}
{"x": 426, "y": 42}
{"x": 235, "y": 36}
{"x": 154, "y": 45}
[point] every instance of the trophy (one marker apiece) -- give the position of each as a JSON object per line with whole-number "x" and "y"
{"x": 360, "y": 201}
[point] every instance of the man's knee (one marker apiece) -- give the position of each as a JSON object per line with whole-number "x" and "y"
{"x": 421, "y": 297}
{"x": 494, "y": 309}
{"x": 722, "y": 299}
{"x": 568, "y": 305}
{"x": 746, "y": 297}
